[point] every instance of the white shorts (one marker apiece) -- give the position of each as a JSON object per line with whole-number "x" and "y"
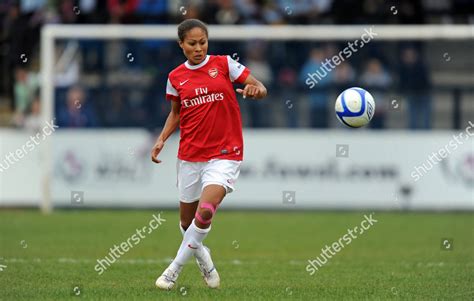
{"x": 192, "y": 177}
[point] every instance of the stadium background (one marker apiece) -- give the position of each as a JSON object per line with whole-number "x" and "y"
{"x": 109, "y": 105}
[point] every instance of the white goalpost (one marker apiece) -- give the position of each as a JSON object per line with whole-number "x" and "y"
{"x": 50, "y": 33}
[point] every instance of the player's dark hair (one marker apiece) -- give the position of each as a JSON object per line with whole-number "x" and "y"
{"x": 189, "y": 24}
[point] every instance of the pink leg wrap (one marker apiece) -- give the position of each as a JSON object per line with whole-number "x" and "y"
{"x": 200, "y": 218}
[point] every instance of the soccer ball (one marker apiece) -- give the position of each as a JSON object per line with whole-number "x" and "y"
{"x": 355, "y": 107}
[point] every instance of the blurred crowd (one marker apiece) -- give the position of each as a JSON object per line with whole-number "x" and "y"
{"x": 121, "y": 83}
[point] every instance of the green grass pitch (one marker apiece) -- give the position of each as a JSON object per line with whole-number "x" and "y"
{"x": 259, "y": 255}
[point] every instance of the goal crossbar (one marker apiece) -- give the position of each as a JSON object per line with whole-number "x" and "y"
{"x": 284, "y": 32}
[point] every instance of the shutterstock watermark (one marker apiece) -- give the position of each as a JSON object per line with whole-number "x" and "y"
{"x": 340, "y": 244}
{"x": 352, "y": 47}
{"x": 133, "y": 240}
{"x": 13, "y": 157}
{"x": 433, "y": 159}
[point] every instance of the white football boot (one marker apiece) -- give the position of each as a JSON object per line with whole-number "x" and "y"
{"x": 168, "y": 279}
{"x": 208, "y": 270}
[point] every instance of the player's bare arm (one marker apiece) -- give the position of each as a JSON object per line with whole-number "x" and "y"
{"x": 171, "y": 124}
{"x": 253, "y": 88}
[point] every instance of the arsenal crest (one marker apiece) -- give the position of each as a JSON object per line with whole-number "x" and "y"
{"x": 213, "y": 72}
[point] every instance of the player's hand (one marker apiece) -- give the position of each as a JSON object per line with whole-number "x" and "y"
{"x": 253, "y": 91}
{"x": 156, "y": 150}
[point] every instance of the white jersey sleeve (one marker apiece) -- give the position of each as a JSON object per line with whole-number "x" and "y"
{"x": 170, "y": 89}
{"x": 235, "y": 68}
{"x": 171, "y": 92}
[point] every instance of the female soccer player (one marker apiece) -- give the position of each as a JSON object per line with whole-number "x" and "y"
{"x": 204, "y": 105}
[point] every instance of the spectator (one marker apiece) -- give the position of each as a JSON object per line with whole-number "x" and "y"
{"x": 375, "y": 76}
{"x": 14, "y": 30}
{"x": 152, "y": 11}
{"x": 375, "y": 11}
{"x": 193, "y": 11}
{"x": 26, "y": 83}
{"x": 77, "y": 113}
{"x": 251, "y": 11}
{"x": 304, "y": 11}
{"x": 122, "y": 11}
{"x": 415, "y": 84}
{"x": 344, "y": 75}
{"x": 319, "y": 94}
{"x": 29, "y": 7}
{"x": 33, "y": 119}
{"x": 223, "y": 12}
{"x": 117, "y": 112}
{"x": 261, "y": 69}
{"x": 411, "y": 12}
{"x": 271, "y": 14}
{"x": 67, "y": 12}
{"x": 287, "y": 86}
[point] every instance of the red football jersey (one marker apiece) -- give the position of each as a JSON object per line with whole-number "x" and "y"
{"x": 210, "y": 121}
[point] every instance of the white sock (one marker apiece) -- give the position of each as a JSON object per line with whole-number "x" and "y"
{"x": 192, "y": 237}
{"x": 200, "y": 252}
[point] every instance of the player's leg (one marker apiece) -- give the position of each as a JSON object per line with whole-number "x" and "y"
{"x": 187, "y": 210}
{"x": 211, "y": 197}
{"x": 202, "y": 253}
{"x": 186, "y": 214}
{"x": 218, "y": 179}
{"x": 213, "y": 194}
{"x": 189, "y": 186}
{"x": 197, "y": 232}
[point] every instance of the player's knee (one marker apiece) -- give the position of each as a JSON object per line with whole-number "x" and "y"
{"x": 205, "y": 213}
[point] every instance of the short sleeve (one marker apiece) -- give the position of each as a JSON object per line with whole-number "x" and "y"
{"x": 237, "y": 72}
{"x": 171, "y": 93}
